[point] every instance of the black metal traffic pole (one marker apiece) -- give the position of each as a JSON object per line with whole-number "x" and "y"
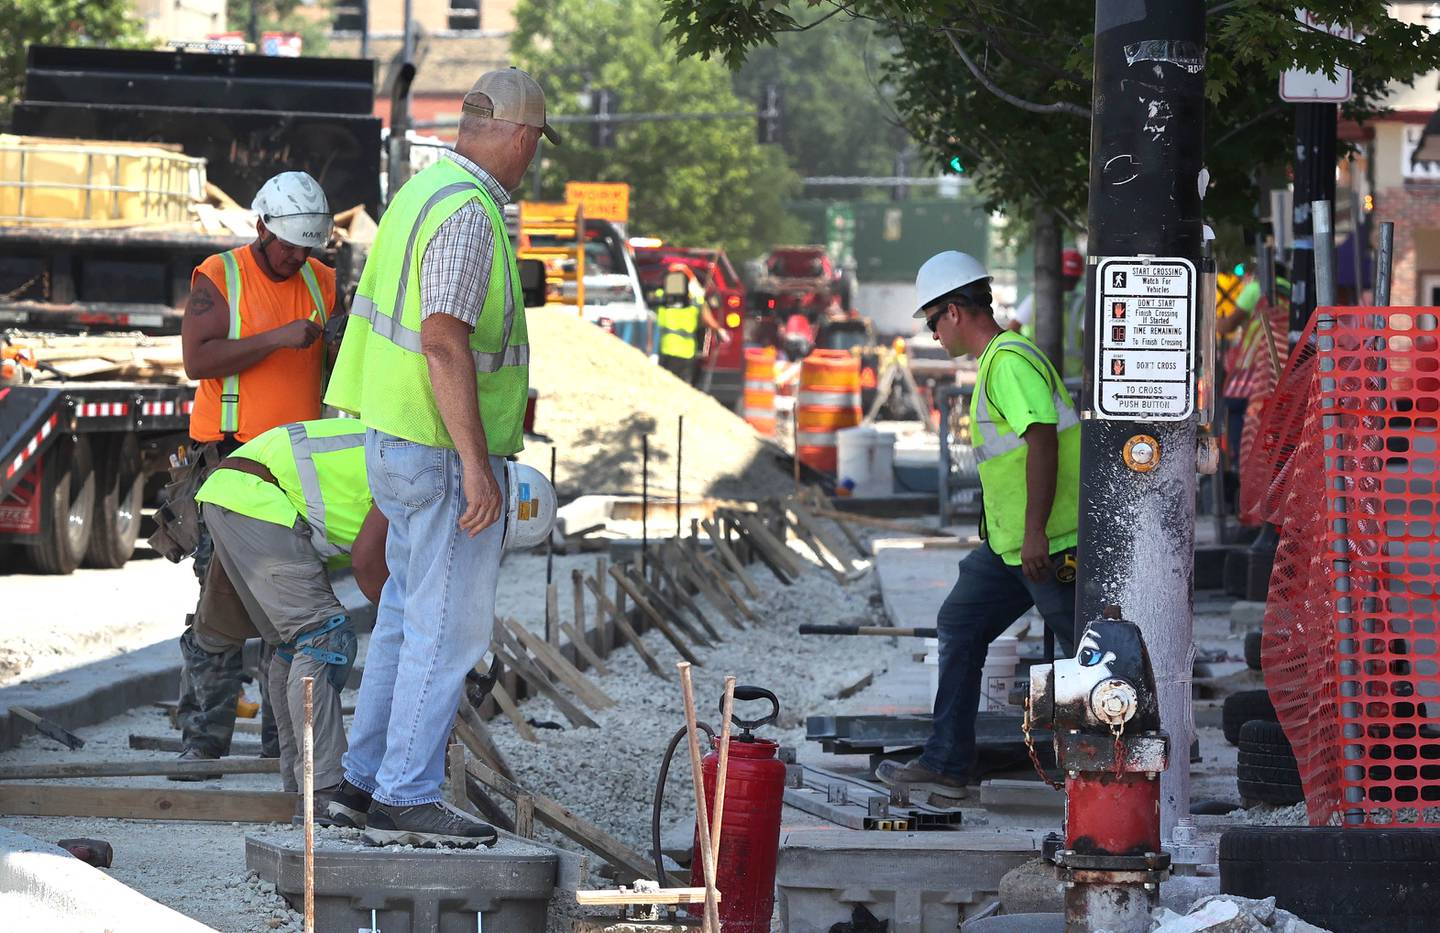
{"x": 1315, "y": 126}
{"x": 679, "y": 462}
{"x": 1138, "y": 435}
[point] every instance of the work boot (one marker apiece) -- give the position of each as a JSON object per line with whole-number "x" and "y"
{"x": 323, "y": 798}
{"x": 478, "y": 686}
{"x": 426, "y": 825}
{"x": 195, "y": 754}
{"x": 920, "y": 778}
{"x": 347, "y": 806}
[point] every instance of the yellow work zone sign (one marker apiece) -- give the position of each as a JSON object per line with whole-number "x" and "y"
{"x": 1227, "y": 289}
{"x": 601, "y": 200}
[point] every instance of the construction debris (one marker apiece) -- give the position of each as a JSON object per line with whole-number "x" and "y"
{"x": 1226, "y": 913}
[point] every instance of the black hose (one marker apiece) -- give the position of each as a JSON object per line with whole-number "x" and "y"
{"x": 662, "y": 876}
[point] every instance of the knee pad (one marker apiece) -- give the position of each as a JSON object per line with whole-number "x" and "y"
{"x": 334, "y": 643}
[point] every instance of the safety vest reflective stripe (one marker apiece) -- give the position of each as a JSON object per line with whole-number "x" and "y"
{"x": 812, "y": 439}
{"x": 397, "y": 333}
{"x": 984, "y": 425}
{"x": 390, "y": 327}
{"x": 230, "y": 386}
{"x": 829, "y": 399}
{"x": 304, "y": 447}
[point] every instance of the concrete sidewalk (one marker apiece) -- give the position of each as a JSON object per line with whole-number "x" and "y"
{"x": 43, "y": 887}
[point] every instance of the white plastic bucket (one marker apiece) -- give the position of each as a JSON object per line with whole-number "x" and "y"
{"x": 865, "y": 461}
{"x": 997, "y": 677}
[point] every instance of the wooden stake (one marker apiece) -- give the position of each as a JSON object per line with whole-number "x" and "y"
{"x": 804, "y": 518}
{"x": 577, "y": 580}
{"x": 717, "y": 576}
{"x": 659, "y": 620}
{"x": 552, "y": 614}
{"x": 582, "y": 645}
{"x": 702, "y": 821}
{"x": 651, "y": 593}
{"x": 626, "y": 629}
{"x": 525, "y": 816}
{"x": 514, "y": 657}
{"x": 471, "y": 730}
{"x": 553, "y": 661}
{"x": 723, "y": 605}
{"x": 727, "y": 708}
{"x": 607, "y": 632}
{"x": 722, "y": 547}
{"x": 455, "y": 776}
{"x": 309, "y": 753}
{"x": 665, "y": 557}
{"x": 507, "y": 705}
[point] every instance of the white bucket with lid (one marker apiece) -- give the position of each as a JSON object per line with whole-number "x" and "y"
{"x": 997, "y": 677}
{"x": 865, "y": 461}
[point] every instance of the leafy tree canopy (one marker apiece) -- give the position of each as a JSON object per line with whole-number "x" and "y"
{"x": 693, "y": 182}
{"x": 1006, "y": 86}
{"x": 58, "y": 22}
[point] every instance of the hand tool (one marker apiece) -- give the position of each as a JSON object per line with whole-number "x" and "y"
{"x": 867, "y": 630}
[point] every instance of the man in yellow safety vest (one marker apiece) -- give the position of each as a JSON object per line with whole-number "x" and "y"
{"x": 1026, "y": 438}
{"x": 682, "y": 310}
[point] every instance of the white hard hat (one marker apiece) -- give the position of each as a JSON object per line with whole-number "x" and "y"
{"x": 943, "y": 273}
{"x": 529, "y": 507}
{"x": 294, "y": 208}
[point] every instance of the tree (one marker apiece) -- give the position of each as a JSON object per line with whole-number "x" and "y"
{"x": 837, "y": 120}
{"x": 58, "y": 22}
{"x": 695, "y": 182}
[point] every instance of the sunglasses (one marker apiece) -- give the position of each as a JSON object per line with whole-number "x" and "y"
{"x": 933, "y": 321}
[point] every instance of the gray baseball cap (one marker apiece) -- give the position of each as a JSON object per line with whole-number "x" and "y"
{"x": 515, "y": 97}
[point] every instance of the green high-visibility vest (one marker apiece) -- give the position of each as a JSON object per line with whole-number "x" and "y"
{"x": 677, "y": 331}
{"x": 1002, "y": 454}
{"x": 320, "y": 469}
{"x": 380, "y": 375}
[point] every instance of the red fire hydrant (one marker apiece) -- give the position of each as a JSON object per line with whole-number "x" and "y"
{"x": 750, "y": 825}
{"x": 1106, "y": 722}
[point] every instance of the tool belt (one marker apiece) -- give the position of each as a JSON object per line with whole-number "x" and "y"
{"x": 177, "y": 520}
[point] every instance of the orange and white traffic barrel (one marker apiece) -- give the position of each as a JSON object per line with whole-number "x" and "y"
{"x": 760, "y": 389}
{"x": 829, "y": 400}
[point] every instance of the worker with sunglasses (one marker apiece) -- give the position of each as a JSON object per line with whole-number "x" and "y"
{"x": 1026, "y": 439}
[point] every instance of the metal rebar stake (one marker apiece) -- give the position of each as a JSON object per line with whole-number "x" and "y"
{"x": 679, "y": 462}
{"x": 644, "y": 500}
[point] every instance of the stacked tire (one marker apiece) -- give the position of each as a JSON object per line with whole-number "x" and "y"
{"x": 1265, "y": 768}
{"x": 1243, "y": 707}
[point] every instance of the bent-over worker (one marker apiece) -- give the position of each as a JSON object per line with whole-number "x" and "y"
{"x": 684, "y": 319}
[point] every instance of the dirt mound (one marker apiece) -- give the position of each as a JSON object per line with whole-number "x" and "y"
{"x": 599, "y": 396}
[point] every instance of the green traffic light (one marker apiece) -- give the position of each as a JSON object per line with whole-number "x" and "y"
{"x": 1239, "y": 268}
{"x": 957, "y": 166}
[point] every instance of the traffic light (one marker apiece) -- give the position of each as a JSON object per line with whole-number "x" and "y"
{"x": 768, "y": 123}
{"x": 956, "y": 165}
{"x": 603, "y": 104}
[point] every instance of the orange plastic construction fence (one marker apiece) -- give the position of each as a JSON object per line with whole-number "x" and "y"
{"x": 760, "y": 389}
{"x": 1351, "y": 650}
{"x": 829, "y": 400}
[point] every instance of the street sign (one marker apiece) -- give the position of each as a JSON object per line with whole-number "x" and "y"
{"x": 601, "y": 200}
{"x": 1314, "y": 87}
{"x": 1144, "y": 318}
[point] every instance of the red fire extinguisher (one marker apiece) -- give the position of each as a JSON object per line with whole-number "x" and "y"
{"x": 750, "y": 825}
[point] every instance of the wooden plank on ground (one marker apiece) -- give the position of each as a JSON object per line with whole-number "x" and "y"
{"x": 630, "y": 590}
{"x": 662, "y": 567}
{"x": 722, "y": 547}
{"x": 470, "y": 729}
{"x": 582, "y": 645}
{"x": 716, "y": 573}
{"x": 159, "y": 767}
{"x": 725, "y": 606}
{"x": 555, "y": 663}
{"x": 626, "y": 629}
{"x": 557, "y": 817}
{"x": 510, "y": 653}
{"x": 652, "y": 594}
{"x": 507, "y": 706}
{"x": 663, "y": 896}
{"x": 803, "y": 518}
{"x": 173, "y": 743}
{"x": 822, "y": 554}
{"x": 147, "y": 803}
{"x": 772, "y": 552}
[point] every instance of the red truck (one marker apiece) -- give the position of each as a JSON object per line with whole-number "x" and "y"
{"x": 724, "y": 292}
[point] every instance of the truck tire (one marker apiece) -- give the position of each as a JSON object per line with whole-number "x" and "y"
{"x": 1345, "y": 880}
{"x": 120, "y": 489}
{"x": 68, "y": 500}
{"x": 1243, "y": 707}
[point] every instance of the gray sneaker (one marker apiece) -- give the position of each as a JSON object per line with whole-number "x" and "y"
{"x": 348, "y": 806}
{"x": 922, "y": 779}
{"x": 194, "y": 754}
{"x": 425, "y": 824}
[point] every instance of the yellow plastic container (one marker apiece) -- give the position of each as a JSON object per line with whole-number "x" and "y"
{"x": 95, "y": 182}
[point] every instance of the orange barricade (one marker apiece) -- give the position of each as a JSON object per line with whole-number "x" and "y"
{"x": 829, "y": 400}
{"x": 760, "y": 389}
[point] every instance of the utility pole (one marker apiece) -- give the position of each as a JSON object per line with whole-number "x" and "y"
{"x": 1048, "y": 298}
{"x": 1315, "y": 126}
{"x": 1138, "y": 434}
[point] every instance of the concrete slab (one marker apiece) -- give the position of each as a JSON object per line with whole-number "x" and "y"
{"x": 919, "y": 882}
{"x": 1017, "y": 923}
{"x": 43, "y": 887}
{"x": 914, "y": 580}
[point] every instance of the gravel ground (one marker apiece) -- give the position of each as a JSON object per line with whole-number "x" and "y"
{"x": 597, "y": 419}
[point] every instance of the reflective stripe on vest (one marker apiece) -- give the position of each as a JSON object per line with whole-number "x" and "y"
{"x": 982, "y": 426}
{"x": 304, "y": 447}
{"x": 230, "y": 386}
{"x": 393, "y": 329}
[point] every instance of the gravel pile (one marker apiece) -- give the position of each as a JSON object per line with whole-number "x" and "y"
{"x": 599, "y": 396}
{"x": 1266, "y": 814}
{"x": 608, "y": 776}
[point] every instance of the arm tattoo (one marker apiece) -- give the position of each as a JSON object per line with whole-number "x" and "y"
{"x": 200, "y": 302}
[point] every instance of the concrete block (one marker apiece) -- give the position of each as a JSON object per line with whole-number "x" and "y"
{"x": 1033, "y": 887}
{"x": 43, "y": 887}
{"x": 920, "y": 882}
{"x": 402, "y": 890}
{"x": 1246, "y": 616}
{"x": 1012, "y": 794}
{"x": 1017, "y": 923}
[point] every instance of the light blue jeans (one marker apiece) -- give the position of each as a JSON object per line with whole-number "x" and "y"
{"x": 433, "y": 625}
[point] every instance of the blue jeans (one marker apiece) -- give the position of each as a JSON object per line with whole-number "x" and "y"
{"x": 433, "y": 624}
{"x": 988, "y": 596}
